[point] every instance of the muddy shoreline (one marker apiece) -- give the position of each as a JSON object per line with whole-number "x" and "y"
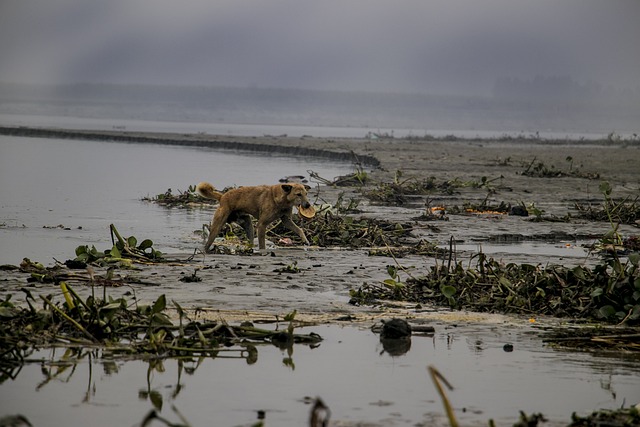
{"x": 320, "y": 289}
{"x": 316, "y": 281}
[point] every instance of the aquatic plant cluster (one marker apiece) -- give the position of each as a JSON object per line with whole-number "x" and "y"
{"x": 182, "y": 199}
{"x": 609, "y": 291}
{"x": 124, "y": 251}
{"x": 328, "y": 229}
{"x": 398, "y": 192}
{"x": 540, "y": 170}
{"x": 625, "y": 211}
{"x": 124, "y": 328}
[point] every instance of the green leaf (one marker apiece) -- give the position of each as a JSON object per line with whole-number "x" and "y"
{"x": 605, "y": 188}
{"x": 160, "y": 319}
{"x": 9, "y": 312}
{"x": 146, "y": 244}
{"x": 448, "y": 291}
{"x": 288, "y": 362}
{"x": 393, "y": 284}
{"x": 112, "y": 305}
{"x": 504, "y": 281}
{"x": 160, "y": 304}
{"x": 290, "y": 316}
{"x": 392, "y": 271}
{"x": 579, "y": 273}
{"x": 132, "y": 241}
{"x": 115, "y": 252}
{"x": 156, "y": 399}
{"x": 80, "y": 250}
{"x": 607, "y": 311}
{"x": 597, "y": 292}
{"x": 178, "y": 308}
{"x": 634, "y": 258}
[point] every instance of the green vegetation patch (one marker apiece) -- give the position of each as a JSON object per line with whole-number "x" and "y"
{"x": 123, "y": 327}
{"x": 609, "y": 291}
{"x": 538, "y": 169}
{"x": 186, "y": 198}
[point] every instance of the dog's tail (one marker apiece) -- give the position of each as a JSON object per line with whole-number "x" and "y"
{"x": 207, "y": 190}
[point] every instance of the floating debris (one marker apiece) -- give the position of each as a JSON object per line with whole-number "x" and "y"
{"x": 188, "y": 198}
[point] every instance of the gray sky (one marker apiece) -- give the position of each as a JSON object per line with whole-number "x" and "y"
{"x": 427, "y": 46}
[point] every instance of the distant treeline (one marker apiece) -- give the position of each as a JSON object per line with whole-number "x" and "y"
{"x": 539, "y": 88}
{"x": 561, "y": 89}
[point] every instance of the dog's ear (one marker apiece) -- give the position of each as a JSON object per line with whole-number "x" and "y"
{"x": 286, "y": 188}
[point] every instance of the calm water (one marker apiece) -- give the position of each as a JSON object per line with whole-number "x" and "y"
{"x": 349, "y": 370}
{"x": 243, "y": 129}
{"x": 87, "y": 185}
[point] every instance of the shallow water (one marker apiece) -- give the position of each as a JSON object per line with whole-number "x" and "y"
{"x": 574, "y": 251}
{"x": 350, "y": 370}
{"x": 87, "y": 185}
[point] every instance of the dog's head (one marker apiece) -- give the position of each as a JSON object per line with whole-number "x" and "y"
{"x": 296, "y": 194}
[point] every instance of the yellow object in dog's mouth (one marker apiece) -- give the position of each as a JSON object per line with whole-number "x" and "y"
{"x": 309, "y": 212}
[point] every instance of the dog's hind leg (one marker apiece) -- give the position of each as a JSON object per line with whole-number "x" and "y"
{"x": 218, "y": 221}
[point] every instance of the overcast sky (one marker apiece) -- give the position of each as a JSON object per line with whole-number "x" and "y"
{"x": 427, "y": 46}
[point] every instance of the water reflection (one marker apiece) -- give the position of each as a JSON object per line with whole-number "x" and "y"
{"x": 91, "y": 371}
{"x": 348, "y": 370}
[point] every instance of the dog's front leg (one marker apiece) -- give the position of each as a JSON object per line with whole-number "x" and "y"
{"x": 247, "y": 225}
{"x": 288, "y": 222}
{"x": 262, "y": 235}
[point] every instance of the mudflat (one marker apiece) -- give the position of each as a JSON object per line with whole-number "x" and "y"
{"x": 316, "y": 280}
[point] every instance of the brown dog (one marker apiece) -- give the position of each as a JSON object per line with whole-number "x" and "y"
{"x": 266, "y": 203}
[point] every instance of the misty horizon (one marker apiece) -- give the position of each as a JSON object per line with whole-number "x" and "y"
{"x": 539, "y": 105}
{"x": 424, "y": 64}
{"x": 434, "y": 47}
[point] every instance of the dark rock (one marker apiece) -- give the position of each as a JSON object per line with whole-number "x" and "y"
{"x": 395, "y": 329}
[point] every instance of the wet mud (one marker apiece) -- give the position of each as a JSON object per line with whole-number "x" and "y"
{"x": 317, "y": 281}
{"x": 324, "y": 275}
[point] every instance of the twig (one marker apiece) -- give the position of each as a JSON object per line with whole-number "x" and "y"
{"x": 437, "y": 377}
{"x": 73, "y": 322}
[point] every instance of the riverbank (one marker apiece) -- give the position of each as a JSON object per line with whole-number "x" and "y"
{"x": 401, "y": 181}
{"x": 475, "y": 172}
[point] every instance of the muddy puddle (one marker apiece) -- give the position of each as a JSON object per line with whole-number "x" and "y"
{"x": 496, "y": 369}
